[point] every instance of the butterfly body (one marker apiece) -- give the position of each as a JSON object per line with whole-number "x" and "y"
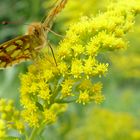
{"x": 36, "y": 30}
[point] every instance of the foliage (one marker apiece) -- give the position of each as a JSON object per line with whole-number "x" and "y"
{"x": 103, "y": 124}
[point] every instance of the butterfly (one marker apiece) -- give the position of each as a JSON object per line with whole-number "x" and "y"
{"x": 26, "y": 47}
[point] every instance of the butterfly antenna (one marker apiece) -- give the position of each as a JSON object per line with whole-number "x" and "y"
{"x": 55, "y": 33}
{"x": 14, "y": 23}
{"x": 4, "y": 22}
{"x": 52, "y": 53}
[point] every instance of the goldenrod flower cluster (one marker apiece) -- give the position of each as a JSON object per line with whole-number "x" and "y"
{"x": 10, "y": 118}
{"x": 78, "y": 64}
{"x": 2, "y": 129}
{"x": 105, "y": 124}
{"x": 38, "y": 94}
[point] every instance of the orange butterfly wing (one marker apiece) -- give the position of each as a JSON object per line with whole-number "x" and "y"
{"x": 15, "y": 51}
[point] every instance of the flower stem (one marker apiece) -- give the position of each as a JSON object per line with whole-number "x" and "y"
{"x": 33, "y": 134}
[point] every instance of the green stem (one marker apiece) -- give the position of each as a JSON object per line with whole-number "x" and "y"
{"x": 36, "y": 132}
{"x": 65, "y": 101}
{"x": 33, "y": 134}
{"x": 55, "y": 93}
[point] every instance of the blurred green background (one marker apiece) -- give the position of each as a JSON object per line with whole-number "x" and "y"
{"x": 117, "y": 118}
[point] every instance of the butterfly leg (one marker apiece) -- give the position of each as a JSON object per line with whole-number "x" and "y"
{"x": 52, "y": 52}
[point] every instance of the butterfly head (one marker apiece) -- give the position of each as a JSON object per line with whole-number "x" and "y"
{"x": 36, "y": 29}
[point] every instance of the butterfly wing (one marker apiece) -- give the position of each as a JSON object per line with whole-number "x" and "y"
{"x": 15, "y": 51}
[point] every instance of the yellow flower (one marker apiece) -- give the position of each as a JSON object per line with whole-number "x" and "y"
{"x": 19, "y": 126}
{"x": 4, "y": 116}
{"x": 31, "y": 118}
{"x": 28, "y": 104}
{"x": 119, "y": 32}
{"x": 47, "y": 74}
{"x": 16, "y": 114}
{"x": 2, "y": 124}
{"x": 58, "y": 108}
{"x": 77, "y": 49}
{"x": 85, "y": 84}
{"x": 45, "y": 94}
{"x": 9, "y": 118}
{"x": 64, "y": 51}
{"x": 99, "y": 98}
{"x": 8, "y": 108}
{"x": 33, "y": 88}
{"x": 2, "y": 134}
{"x": 43, "y": 90}
{"x": 109, "y": 41}
{"x": 120, "y": 44}
{"x": 136, "y": 134}
{"x": 66, "y": 88}
{"x": 100, "y": 69}
{"x": 63, "y": 68}
{"x": 88, "y": 66}
{"x": 74, "y": 38}
{"x": 2, "y": 104}
{"x": 42, "y": 85}
{"x": 49, "y": 116}
{"x": 76, "y": 68}
{"x": 24, "y": 89}
{"x": 27, "y": 81}
{"x": 92, "y": 48}
{"x": 83, "y": 97}
{"x": 97, "y": 88}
